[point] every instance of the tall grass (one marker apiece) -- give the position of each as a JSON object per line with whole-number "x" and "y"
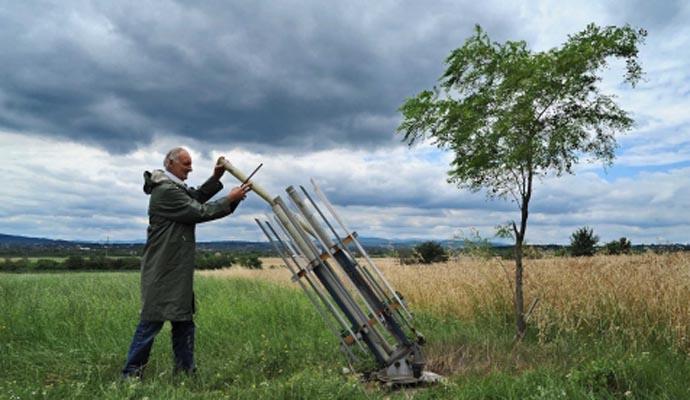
{"x": 66, "y": 336}
{"x": 642, "y": 297}
{"x": 605, "y": 327}
{"x": 634, "y": 301}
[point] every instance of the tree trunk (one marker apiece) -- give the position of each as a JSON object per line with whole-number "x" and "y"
{"x": 520, "y": 324}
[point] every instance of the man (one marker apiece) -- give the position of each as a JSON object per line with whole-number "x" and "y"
{"x": 167, "y": 265}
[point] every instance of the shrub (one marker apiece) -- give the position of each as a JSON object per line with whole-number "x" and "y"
{"x": 47, "y": 264}
{"x": 250, "y": 261}
{"x": 474, "y": 245}
{"x": 532, "y": 252}
{"x": 431, "y": 252}
{"x": 74, "y": 262}
{"x": 131, "y": 263}
{"x": 217, "y": 260}
{"x": 99, "y": 262}
{"x": 620, "y": 246}
{"x": 15, "y": 266}
{"x": 407, "y": 256}
{"x": 583, "y": 242}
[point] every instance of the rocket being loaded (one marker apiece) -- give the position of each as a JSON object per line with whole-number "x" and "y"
{"x": 368, "y": 316}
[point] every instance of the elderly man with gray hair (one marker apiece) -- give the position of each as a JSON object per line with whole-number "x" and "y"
{"x": 167, "y": 265}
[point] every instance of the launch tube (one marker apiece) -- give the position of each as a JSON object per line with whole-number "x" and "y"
{"x": 242, "y": 178}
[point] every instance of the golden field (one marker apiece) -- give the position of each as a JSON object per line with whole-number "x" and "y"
{"x": 632, "y": 295}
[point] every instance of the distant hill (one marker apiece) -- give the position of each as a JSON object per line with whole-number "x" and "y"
{"x": 14, "y": 241}
{"x": 6, "y": 240}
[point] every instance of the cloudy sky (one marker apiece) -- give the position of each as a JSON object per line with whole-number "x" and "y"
{"x": 93, "y": 93}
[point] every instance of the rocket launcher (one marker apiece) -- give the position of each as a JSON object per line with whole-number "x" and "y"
{"x": 356, "y": 301}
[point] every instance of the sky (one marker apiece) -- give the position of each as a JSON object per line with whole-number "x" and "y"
{"x": 94, "y": 93}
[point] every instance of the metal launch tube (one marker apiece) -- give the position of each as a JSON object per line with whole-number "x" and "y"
{"x": 372, "y": 304}
{"x": 242, "y": 178}
{"x": 360, "y": 248}
{"x": 295, "y": 272}
{"x": 330, "y": 281}
{"x": 313, "y": 281}
{"x": 326, "y": 241}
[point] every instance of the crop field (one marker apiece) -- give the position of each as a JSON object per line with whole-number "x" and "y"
{"x": 602, "y": 327}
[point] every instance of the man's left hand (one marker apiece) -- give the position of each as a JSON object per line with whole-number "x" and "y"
{"x": 219, "y": 169}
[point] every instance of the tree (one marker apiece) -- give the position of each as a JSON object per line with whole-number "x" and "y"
{"x": 583, "y": 242}
{"x": 474, "y": 245}
{"x": 510, "y": 114}
{"x": 620, "y": 246}
{"x": 407, "y": 256}
{"x": 431, "y": 252}
{"x": 74, "y": 262}
{"x": 250, "y": 260}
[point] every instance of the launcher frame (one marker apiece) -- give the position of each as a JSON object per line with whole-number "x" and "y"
{"x": 358, "y": 304}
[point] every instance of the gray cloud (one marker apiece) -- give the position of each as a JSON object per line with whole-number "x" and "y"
{"x": 301, "y": 75}
{"x": 394, "y": 194}
{"x": 310, "y": 89}
{"x": 298, "y": 75}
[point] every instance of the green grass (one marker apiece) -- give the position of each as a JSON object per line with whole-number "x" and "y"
{"x": 66, "y": 335}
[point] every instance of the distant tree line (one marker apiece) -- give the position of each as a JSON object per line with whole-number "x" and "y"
{"x": 583, "y": 243}
{"x": 204, "y": 260}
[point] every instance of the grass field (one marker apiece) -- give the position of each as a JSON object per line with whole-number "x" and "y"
{"x": 605, "y": 327}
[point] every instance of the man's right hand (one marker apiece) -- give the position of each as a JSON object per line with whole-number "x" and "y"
{"x": 239, "y": 193}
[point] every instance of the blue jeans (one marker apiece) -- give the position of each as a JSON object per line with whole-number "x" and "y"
{"x": 139, "y": 350}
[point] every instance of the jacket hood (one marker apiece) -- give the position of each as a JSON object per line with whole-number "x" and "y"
{"x": 153, "y": 179}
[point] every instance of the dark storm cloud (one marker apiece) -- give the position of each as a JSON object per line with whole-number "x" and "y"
{"x": 300, "y": 75}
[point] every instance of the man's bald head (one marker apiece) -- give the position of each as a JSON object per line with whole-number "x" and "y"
{"x": 178, "y": 162}
{"x": 173, "y": 155}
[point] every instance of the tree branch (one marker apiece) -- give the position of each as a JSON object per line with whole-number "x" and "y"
{"x": 553, "y": 100}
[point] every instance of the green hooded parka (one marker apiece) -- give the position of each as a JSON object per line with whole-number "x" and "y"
{"x": 167, "y": 265}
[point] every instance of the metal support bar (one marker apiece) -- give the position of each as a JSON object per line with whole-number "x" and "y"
{"x": 312, "y": 280}
{"x": 361, "y": 250}
{"x": 329, "y": 247}
{"x": 332, "y": 284}
{"x": 319, "y": 306}
{"x": 343, "y": 247}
